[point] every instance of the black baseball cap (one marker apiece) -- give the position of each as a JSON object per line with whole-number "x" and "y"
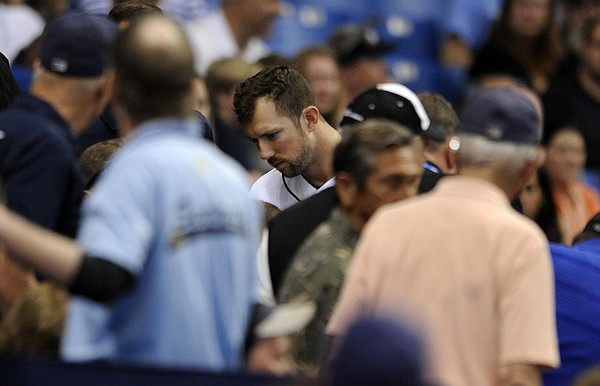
{"x": 351, "y": 43}
{"x": 391, "y": 101}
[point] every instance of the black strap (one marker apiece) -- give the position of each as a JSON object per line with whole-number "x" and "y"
{"x": 289, "y": 190}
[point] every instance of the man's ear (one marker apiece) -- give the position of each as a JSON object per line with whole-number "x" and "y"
{"x": 311, "y": 114}
{"x": 105, "y": 91}
{"x": 536, "y": 160}
{"x": 450, "y": 158}
{"x": 346, "y": 189}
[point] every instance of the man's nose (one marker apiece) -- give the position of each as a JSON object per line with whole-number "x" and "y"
{"x": 265, "y": 150}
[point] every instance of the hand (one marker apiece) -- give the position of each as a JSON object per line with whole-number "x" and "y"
{"x": 272, "y": 356}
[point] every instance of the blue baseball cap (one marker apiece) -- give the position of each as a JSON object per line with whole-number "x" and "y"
{"x": 502, "y": 114}
{"x": 78, "y": 44}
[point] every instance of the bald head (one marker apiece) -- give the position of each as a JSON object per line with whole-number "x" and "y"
{"x": 154, "y": 67}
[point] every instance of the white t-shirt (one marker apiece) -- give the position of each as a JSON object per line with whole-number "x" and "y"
{"x": 283, "y": 192}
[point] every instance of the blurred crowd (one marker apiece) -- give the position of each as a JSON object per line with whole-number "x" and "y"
{"x": 369, "y": 193}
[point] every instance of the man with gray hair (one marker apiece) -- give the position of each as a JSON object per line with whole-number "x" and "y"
{"x": 474, "y": 274}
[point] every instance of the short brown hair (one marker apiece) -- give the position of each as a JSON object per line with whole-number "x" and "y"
{"x": 129, "y": 10}
{"x": 94, "y": 159}
{"x": 285, "y": 86}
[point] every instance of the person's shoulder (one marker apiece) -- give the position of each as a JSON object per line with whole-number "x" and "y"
{"x": 316, "y": 206}
{"x": 267, "y": 181}
{"x": 22, "y": 126}
{"x": 562, "y": 86}
{"x": 523, "y": 228}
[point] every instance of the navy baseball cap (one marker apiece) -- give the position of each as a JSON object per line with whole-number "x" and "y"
{"x": 502, "y": 114}
{"x": 78, "y": 44}
{"x": 391, "y": 101}
{"x": 379, "y": 351}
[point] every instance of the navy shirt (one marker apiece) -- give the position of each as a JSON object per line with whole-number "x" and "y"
{"x": 577, "y": 289}
{"x": 38, "y": 165}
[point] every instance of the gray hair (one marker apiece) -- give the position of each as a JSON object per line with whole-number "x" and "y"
{"x": 505, "y": 158}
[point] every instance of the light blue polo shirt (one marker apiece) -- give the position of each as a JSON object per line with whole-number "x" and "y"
{"x": 175, "y": 212}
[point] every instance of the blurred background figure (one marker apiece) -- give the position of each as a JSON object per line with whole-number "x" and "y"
{"x": 440, "y": 158}
{"x": 379, "y": 351}
{"x": 317, "y": 64}
{"x": 575, "y": 13}
{"x": 574, "y": 99}
{"x": 222, "y": 77}
{"x": 21, "y": 27}
{"x": 524, "y": 46}
{"x": 576, "y": 202}
{"x": 236, "y": 28}
{"x": 33, "y": 326}
{"x": 360, "y": 54}
{"x": 9, "y": 87}
{"x": 577, "y": 290}
{"x": 126, "y": 11}
{"x": 537, "y": 202}
{"x": 202, "y": 99}
{"x": 95, "y": 158}
{"x": 180, "y": 10}
{"x": 50, "y": 9}
{"x": 464, "y": 29}
{"x": 588, "y": 377}
{"x": 274, "y": 60}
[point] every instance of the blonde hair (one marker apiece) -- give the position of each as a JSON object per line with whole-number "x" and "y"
{"x": 34, "y": 324}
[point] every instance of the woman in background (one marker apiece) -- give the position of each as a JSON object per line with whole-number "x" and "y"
{"x": 317, "y": 64}
{"x": 524, "y": 46}
{"x": 576, "y": 202}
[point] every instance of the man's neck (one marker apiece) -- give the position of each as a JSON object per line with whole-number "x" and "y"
{"x": 66, "y": 111}
{"x": 484, "y": 174}
{"x": 320, "y": 170}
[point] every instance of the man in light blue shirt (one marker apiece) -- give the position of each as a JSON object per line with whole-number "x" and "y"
{"x": 165, "y": 260}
